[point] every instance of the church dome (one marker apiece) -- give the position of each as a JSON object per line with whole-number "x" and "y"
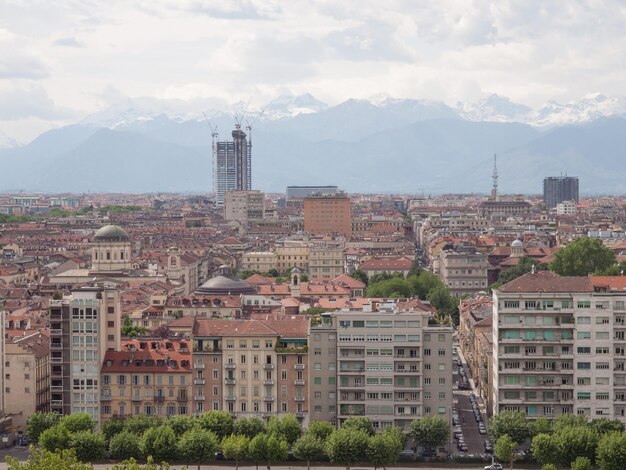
{"x": 517, "y": 243}
{"x": 225, "y": 284}
{"x": 111, "y": 233}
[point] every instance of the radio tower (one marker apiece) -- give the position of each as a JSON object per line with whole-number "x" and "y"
{"x": 494, "y": 177}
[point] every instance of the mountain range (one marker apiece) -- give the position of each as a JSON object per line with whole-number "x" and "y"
{"x": 378, "y": 145}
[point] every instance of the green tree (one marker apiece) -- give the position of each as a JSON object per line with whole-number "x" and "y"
{"x": 38, "y": 422}
{"x": 131, "y": 330}
{"x": 582, "y": 257}
{"x": 124, "y": 445}
{"x": 444, "y": 303}
{"x": 309, "y": 447}
{"x": 549, "y": 466}
{"x": 235, "y": 448}
{"x": 197, "y": 446}
{"x": 321, "y": 429}
{"x": 42, "y": 459}
{"x": 218, "y": 422}
{"x": 611, "y": 451}
{"x": 111, "y": 428}
{"x": 545, "y": 448}
{"x": 582, "y": 463}
{"x": 513, "y": 423}
{"x": 606, "y": 425}
{"x": 347, "y": 446}
{"x": 540, "y": 426}
{"x": 577, "y": 442}
{"x": 383, "y": 449}
{"x": 525, "y": 265}
{"x": 76, "y": 422}
{"x": 249, "y": 426}
{"x": 362, "y": 423}
{"x": 131, "y": 464}
{"x": 89, "y": 446}
{"x": 288, "y": 427}
{"x": 568, "y": 420}
{"x": 416, "y": 268}
{"x": 277, "y": 450}
{"x": 421, "y": 285}
{"x": 394, "y": 287}
{"x": 360, "y": 275}
{"x": 160, "y": 443}
{"x": 430, "y": 432}
{"x": 139, "y": 424}
{"x": 257, "y": 449}
{"x": 180, "y": 424}
{"x": 505, "y": 449}
{"x": 55, "y": 439}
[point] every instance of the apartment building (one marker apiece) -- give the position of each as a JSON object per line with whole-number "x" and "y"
{"x": 463, "y": 270}
{"x": 83, "y": 327}
{"x": 559, "y": 346}
{"x": 151, "y": 377}
{"x": 244, "y": 206}
{"x": 326, "y": 261}
{"x": 386, "y": 363}
{"x": 261, "y": 261}
{"x": 292, "y": 254}
{"x": 251, "y": 367}
{"x": 328, "y": 214}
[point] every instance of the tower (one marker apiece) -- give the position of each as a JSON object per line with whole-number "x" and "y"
{"x": 494, "y": 178}
{"x": 233, "y": 164}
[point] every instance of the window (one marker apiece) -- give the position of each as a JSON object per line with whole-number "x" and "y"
{"x": 583, "y": 304}
{"x": 583, "y": 334}
{"x": 317, "y": 380}
{"x": 583, "y": 365}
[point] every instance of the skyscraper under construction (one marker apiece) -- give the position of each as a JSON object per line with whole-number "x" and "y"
{"x": 232, "y": 168}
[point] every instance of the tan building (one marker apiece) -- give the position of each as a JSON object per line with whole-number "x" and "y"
{"x": 148, "y": 376}
{"x": 244, "y": 206}
{"x": 328, "y": 215}
{"x": 463, "y": 270}
{"x": 261, "y": 261}
{"x": 292, "y": 254}
{"x": 326, "y": 261}
{"x": 27, "y": 377}
{"x": 111, "y": 250}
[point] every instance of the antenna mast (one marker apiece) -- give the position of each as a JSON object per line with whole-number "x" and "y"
{"x": 494, "y": 178}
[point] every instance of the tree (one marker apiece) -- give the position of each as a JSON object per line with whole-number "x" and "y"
{"x": 444, "y": 303}
{"x": 582, "y": 257}
{"x": 249, "y": 426}
{"x": 540, "y": 426}
{"x": 416, "y": 268}
{"x": 124, "y": 445}
{"x": 77, "y": 422}
{"x": 505, "y": 449}
{"x": 288, "y": 427}
{"x": 277, "y": 450}
{"x": 112, "y": 428}
{"x": 321, "y": 429}
{"x": 525, "y": 265}
{"x": 581, "y": 463}
{"x": 576, "y": 442}
{"x": 89, "y": 446}
{"x": 160, "y": 443}
{"x": 235, "y": 448}
{"x": 218, "y": 422}
{"x": 430, "y": 431}
{"x": 180, "y": 424}
{"x": 257, "y": 449}
{"x": 131, "y": 330}
{"x": 139, "y": 424}
{"x": 360, "y": 275}
{"x": 360, "y": 423}
{"x": 611, "y": 451}
{"x": 55, "y": 439}
{"x": 549, "y": 466}
{"x": 606, "y": 425}
{"x": 569, "y": 420}
{"x": 347, "y": 446}
{"x": 197, "y": 446}
{"x": 512, "y": 423}
{"x": 383, "y": 449}
{"x": 545, "y": 448}
{"x": 308, "y": 447}
{"x": 40, "y": 421}
{"x": 41, "y": 459}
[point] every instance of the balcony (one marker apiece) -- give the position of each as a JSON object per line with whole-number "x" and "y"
{"x": 352, "y": 371}
{"x": 56, "y": 360}
{"x": 159, "y": 398}
{"x": 56, "y": 346}
{"x": 298, "y": 382}
{"x": 56, "y": 388}
{"x": 56, "y": 402}
{"x": 199, "y": 398}
{"x": 229, "y": 381}
{"x": 299, "y": 399}
{"x": 298, "y": 366}
{"x": 231, "y": 398}
{"x": 56, "y": 331}
{"x": 198, "y": 365}
{"x": 105, "y": 397}
{"x": 230, "y": 366}
{"x": 136, "y": 398}
{"x": 268, "y": 366}
{"x": 182, "y": 398}
{"x": 199, "y": 381}
{"x": 268, "y": 398}
{"x": 268, "y": 382}
{"x": 299, "y": 414}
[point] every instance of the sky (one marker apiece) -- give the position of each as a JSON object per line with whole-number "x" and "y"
{"x": 65, "y": 59}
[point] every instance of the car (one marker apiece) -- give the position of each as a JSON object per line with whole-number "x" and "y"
{"x": 482, "y": 430}
{"x": 428, "y": 453}
{"x": 455, "y": 421}
{"x": 494, "y": 466}
{"x": 462, "y": 447}
{"x": 219, "y": 456}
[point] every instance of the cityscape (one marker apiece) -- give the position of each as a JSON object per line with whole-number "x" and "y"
{"x": 194, "y": 276}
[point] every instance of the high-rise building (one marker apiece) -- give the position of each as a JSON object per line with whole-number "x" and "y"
{"x": 557, "y": 189}
{"x": 327, "y": 215}
{"x": 232, "y": 164}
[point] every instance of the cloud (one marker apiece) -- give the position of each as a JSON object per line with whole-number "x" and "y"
{"x": 17, "y": 61}
{"x": 67, "y": 42}
{"x": 19, "y": 102}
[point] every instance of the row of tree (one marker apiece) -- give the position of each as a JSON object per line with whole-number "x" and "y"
{"x": 569, "y": 440}
{"x": 198, "y": 440}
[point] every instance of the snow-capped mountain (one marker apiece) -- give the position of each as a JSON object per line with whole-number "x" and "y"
{"x": 289, "y": 106}
{"x": 494, "y": 108}
{"x": 589, "y": 108}
{"x": 7, "y": 142}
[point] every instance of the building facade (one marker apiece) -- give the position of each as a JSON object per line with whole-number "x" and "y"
{"x": 328, "y": 215}
{"x": 463, "y": 270}
{"x": 232, "y": 165}
{"x": 244, "y": 206}
{"x": 557, "y": 189}
{"x": 326, "y": 261}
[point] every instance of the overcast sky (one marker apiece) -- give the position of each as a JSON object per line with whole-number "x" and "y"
{"x": 61, "y": 60}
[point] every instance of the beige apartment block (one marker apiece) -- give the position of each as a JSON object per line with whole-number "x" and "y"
{"x": 559, "y": 346}
{"x": 292, "y": 254}
{"x": 388, "y": 364}
{"x": 463, "y": 271}
{"x": 261, "y": 261}
{"x": 326, "y": 261}
{"x": 244, "y": 206}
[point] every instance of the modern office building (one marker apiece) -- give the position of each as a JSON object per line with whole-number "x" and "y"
{"x": 300, "y": 192}
{"x": 232, "y": 164}
{"x": 559, "y": 346}
{"x": 327, "y": 215}
{"x": 83, "y": 327}
{"x": 385, "y": 362}
{"x": 557, "y": 189}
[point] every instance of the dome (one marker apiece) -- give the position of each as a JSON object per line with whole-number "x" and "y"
{"x": 225, "y": 285}
{"x": 111, "y": 233}
{"x": 517, "y": 243}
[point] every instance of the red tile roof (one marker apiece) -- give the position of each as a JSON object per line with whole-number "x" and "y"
{"x": 547, "y": 281}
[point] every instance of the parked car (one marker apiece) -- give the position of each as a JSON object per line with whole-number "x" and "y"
{"x": 494, "y": 466}
{"x": 428, "y": 453}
